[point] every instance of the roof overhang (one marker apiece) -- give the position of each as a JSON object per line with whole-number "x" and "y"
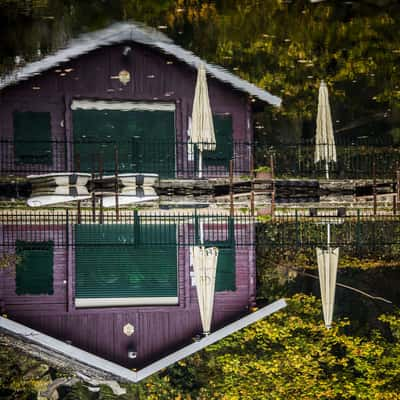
{"x": 123, "y": 373}
{"x": 122, "y": 32}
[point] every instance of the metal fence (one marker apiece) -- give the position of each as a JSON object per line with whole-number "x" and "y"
{"x": 168, "y": 159}
{"x": 353, "y": 161}
{"x": 180, "y": 159}
{"x": 130, "y": 228}
{"x": 362, "y": 231}
{"x": 295, "y": 231}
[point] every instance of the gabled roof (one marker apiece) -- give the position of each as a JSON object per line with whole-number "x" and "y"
{"x": 139, "y": 33}
{"x": 125, "y": 374}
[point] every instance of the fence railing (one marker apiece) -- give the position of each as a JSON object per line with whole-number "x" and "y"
{"x": 130, "y": 228}
{"x": 188, "y": 229}
{"x": 352, "y": 161}
{"x": 181, "y": 159}
{"x": 361, "y": 230}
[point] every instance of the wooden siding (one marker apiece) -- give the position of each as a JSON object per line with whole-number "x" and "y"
{"x": 153, "y": 78}
{"x": 158, "y": 330}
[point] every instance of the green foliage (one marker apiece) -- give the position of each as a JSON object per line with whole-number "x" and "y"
{"x": 285, "y": 47}
{"x": 21, "y": 377}
{"x": 263, "y": 168}
{"x": 8, "y": 260}
{"x": 291, "y": 355}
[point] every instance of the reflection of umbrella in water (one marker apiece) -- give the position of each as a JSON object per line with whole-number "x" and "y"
{"x": 325, "y": 148}
{"x": 202, "y": 129}
{"x": 327, "y": 268}
{"x": 205, "y": 267}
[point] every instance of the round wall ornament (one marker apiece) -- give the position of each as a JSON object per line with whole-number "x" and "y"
{"x": 128, "y": 330}
{"x": 124, "y": 77}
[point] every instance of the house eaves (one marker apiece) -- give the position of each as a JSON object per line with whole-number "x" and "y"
{"x": 125, "y": 374}
{"x": 138, "y": 33}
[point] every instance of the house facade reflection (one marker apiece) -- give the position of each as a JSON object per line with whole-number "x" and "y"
{"x": 84, "y": 283}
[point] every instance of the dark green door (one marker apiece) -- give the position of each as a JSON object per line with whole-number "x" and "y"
{"x": 224, "y": 144}
{"x": 153, "y": 143}
{"x": 112, "y": 261}
{"x": 145, "y": 140}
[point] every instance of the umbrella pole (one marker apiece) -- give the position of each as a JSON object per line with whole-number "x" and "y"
{"x": 328, "y": 235}
{"x": 200, "y": 164}
{"x": 327, "y": 169}
{"x": 201, "y": 232}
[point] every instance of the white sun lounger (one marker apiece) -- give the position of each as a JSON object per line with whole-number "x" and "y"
{"x": 131, "y": 195}
{"x": 60, "y": 179}
{"x": 57, "y": 195}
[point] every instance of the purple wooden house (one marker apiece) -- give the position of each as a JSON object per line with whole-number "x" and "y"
{"x": 91, "y": 284}
{"x": 129, "y": 88}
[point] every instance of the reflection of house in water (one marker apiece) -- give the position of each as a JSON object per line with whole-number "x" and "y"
{"x": 126, "y": 86}
{"x": 84, "y": 283}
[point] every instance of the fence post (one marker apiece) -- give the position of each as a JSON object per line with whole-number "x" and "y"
{"x": 196, "y": 228}
{"x": 136, "y": 227}
{"x": 93, "y": 192}
{"x": 116, "y": 183}
{"x": 398, "y": 187}
{"x": 296, "y": 218}
{"x": 67, "y": 257}
{"x": 273, "y": 185}
{"x": 65, "y": 154}
{"x": 101, "y": 217}
{"x": 67, "y": 226}
{"x": 374, "y": 183}
{"x": 358, "y": 233}
{"x": 231, "y": 208}
{"x": 77, "y": 169}
{"x": 252, "y": 184}
{"x": 231, "y": 232}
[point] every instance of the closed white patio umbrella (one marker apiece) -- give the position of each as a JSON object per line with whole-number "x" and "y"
{"x": 328, "y": 260}
{"x": 325, "y": 148}
{"x": 205, "y": 268}
{"x": 202, "y": 129}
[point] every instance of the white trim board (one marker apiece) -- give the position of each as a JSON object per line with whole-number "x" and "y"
{"x": 121, "y": 105}
{"x": 124, "y": 373}
{"x": 124, "y": 301}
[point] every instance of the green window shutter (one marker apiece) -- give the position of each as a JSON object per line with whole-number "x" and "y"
{"x": 113, "y": 262}
{"x": 145, "y": 140}
{"x": 226, "y": 265}
{"x": 224, "y": 142}
{"x": 226, "y": 270}
{"x": 34, "y": 269}
{"x": 32, "y": 137}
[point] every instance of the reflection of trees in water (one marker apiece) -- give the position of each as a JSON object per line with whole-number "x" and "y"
{"x": 284, "y": 47}
{"x": 368, "y": 267}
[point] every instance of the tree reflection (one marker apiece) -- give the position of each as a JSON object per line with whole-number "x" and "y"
{"x": 285, "y": 47}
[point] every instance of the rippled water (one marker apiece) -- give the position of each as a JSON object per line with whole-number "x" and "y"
{"x": 287, "y": 48}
